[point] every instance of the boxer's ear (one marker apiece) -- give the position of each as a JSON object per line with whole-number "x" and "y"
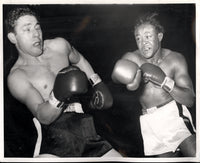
{"x": 160, "y": 36}
{"x": 11, "y": 37}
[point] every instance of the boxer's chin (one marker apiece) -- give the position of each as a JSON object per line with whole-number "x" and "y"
{"x": 147, "y": 54}
{"x": 37, "y": 53}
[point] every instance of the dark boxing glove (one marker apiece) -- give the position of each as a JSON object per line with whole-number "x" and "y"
{"x": 101, "y": 95}
{"x": 69, "y": 82}
{"x": 156, "y": 75}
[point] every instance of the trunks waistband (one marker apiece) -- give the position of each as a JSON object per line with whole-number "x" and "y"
{"x": 74, "y": 107}
{"x": 153, "y": 109}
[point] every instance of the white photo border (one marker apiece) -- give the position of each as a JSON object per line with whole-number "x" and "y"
{"x": 196, "y": 159}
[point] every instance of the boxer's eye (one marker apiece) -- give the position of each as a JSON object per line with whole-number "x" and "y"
{"x": 27, "y": 29}
{"x": 138, "y": 38}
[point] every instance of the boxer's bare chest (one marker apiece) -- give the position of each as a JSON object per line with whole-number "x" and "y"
{"x": 42, "y": 76}
{"x": 153, "y": 94}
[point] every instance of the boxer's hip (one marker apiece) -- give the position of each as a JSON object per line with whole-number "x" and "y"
{"x": 164, "y": 128}
{"x": 73, "y": 134}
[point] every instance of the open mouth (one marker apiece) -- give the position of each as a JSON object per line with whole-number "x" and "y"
{"x": 146, "y": 49}
{"x": 36, "y": 44}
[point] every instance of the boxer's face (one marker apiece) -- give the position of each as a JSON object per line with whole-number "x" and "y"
{"x": 148, "y": 40}
{"x": 28, "y": 36}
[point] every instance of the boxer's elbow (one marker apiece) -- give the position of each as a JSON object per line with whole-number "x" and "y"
{"x": 45, "y": 120}
{"x": 190, "y": 101}
{"x": 47, "y": 115}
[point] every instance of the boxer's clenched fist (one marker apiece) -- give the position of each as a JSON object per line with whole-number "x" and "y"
{"x": 156, "y": 75}
{"x": 69, "y": 82}
{"x": 127, "y": 72}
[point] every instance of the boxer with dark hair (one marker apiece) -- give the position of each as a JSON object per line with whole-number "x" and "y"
{"x": 167, "y": 91}
{"x": 40, "y": 80}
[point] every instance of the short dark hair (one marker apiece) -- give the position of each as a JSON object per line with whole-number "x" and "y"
{"x": 150, "y": 18}
{"x": 15, "y": 14}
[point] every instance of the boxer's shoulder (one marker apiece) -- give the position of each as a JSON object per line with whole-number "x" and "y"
{"x": 17, "y": 73}
{"x": 133, "y": 56}
{"x": 17, "y": 81}
{"x": 173, "y": 57}
{"x": 57, "y": 44}
{"x": 16, "y": 70}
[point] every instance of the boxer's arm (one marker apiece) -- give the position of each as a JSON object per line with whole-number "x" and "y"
{"x": 75, "y": 58}
{"x": 61, "y": 45}
{"x": 102, "y": 98}
{"x": 183, "y": 89}
{"x": 134, "y": 57}
{"x": 126, "y": 71}
{"x": 80, "y": 61}
{"x": 23, "y": 91}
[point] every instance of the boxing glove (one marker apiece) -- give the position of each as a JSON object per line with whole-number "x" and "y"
{"x": 124, "y": 71}
{"x": 69, "y": 82}
{"x": 156, "y": 75}
{"x": 101, "y": 95}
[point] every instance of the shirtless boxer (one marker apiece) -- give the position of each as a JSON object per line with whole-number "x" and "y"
{"x": 32, "y": 77}
{"x": 166, "y": 91}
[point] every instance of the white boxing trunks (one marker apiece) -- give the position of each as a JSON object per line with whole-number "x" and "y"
{"x": 164, "y": 128}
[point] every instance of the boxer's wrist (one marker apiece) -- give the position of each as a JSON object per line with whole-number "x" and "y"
{"x": 54, "y": 102}
{"x": 74, "y": 107}
{"x": 168, "y": 84}
{"x": 95, "y": 79}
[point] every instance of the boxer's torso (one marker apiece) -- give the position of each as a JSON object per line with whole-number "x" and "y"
{"x": 151, "y": 94}
{"x": 42, "y": 74}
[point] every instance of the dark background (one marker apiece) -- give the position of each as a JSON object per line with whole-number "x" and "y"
{"x": 102, "y": 33}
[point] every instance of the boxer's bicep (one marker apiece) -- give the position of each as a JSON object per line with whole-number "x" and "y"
{"x": 181, "y": 75}
{"x": 63, "y": 45}
{"x": 59, "y": 44}
{"x": 183, "y": 83}
{"x": 80, "y": 61}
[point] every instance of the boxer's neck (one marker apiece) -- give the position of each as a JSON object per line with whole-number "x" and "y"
{"x": 157, "y": 58}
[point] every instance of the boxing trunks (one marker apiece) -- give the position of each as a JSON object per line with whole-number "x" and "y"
{"x": 164, "y": 128}
{"x": 72, "y": 135}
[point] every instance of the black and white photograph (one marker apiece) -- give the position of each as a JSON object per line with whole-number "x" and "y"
{"x": 100, "y": 81}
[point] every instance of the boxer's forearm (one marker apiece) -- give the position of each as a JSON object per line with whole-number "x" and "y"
{"x": 46, "y": 113}
{"x": 184, "y": 96}
{"x": 78, "y": 60}
{"x": 85, "y": 66}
